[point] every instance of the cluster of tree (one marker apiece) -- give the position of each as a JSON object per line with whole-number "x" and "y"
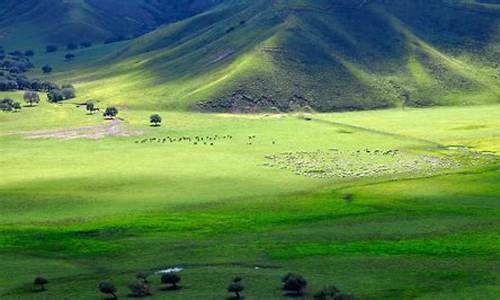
{"x": 58, "y": 94}
{"x": 293, "y": 284}
{"x": 13, "y": 67}
{"x": 8, "y": 104}
{"x": 15, "y": 62}
{"x": 69, "y": 46}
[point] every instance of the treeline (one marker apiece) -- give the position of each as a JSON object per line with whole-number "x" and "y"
{"x": 292, "y": 284}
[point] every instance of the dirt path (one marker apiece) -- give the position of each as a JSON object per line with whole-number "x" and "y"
{"x": 113, "y": 128}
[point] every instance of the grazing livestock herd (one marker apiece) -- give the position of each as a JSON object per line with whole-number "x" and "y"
{"x": 336, "y": 163}
{"x": 342, "y": 163}
{"x": 204, "y": 140}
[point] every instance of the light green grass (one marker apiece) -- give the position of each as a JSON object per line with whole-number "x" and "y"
{"x": 79, "y": 211}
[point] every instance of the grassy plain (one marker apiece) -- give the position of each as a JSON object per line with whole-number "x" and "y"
{"x": 80, "y": 211}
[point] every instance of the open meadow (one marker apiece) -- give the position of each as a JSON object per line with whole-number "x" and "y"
{"x": 250, "y": 149}
{"x": 382, "y": 204}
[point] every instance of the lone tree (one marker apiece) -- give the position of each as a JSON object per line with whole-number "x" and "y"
{"x": 41, "y": 282}
{"x": 171, "y": 278}
{"x": 90, "y": 107}
{"x": 107, "y": 287}
{"x": 47, "y": 69}
{"x": 236, "y": 287}
{"x": 139, "y": 289}
{"x": 155, "y": 120}
{"x": 294, "y": 283}
{"x": 31, "y": 98}
{"x": 110, "y": 112}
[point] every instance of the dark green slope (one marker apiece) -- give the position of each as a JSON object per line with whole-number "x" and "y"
{"x": 324, "y": 55}
{"x": 31, "y": 23}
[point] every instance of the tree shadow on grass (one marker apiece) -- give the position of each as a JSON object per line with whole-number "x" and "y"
{"x": 171, "y": 288}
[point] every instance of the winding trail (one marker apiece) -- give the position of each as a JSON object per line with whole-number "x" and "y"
{"x": 114, "y": 128}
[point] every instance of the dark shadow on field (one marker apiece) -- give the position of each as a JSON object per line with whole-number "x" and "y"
{"x": 171, "y": 288}
{"x": 294, "y": 295}
{"x": 135, "y": 296}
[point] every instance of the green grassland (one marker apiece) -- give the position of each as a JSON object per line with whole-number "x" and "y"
{"x": 401, "y": 203}
{"x": 79, "y": 211}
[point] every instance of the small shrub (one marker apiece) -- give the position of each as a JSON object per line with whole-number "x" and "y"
{"x": 139, "y": 289}
{"x": 107, "y": 287}
{"x": 47, "y": 69}
{"x": 69, "y": 56}
{"x": 236, "y": 287}
{"x": 171, "y": 278}
{"x": 41, "y": 282}
{"x": 294, "y": 283}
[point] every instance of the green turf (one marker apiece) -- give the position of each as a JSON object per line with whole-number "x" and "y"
{"x": 80, "y": 211}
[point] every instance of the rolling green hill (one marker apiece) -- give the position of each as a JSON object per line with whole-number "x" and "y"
{"x": 247, "y": 56}
{"x": 29, "y": 23}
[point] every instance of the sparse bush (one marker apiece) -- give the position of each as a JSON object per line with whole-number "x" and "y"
{"x": 155, "y": 120}
{"x": 47, "y": 69}
{"x": 69, "y": 56}
{"x": 139, "y": 289}
{"x": 31, "y": 97}
{"x": 236, "y": 287}
{"x": 41, "y": 282}
{"x": 107, "y": 287}
{"x": 29, "y": 53}
{"x": 171, "y": 278}
{"x": 294, "y": 283}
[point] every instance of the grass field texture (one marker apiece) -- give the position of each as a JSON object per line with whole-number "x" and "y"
{"x": 82, "y": 210}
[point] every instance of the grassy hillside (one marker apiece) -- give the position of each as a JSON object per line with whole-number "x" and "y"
{"x": 34, "y": 23}
{"x": 287, "y": 55}
{"x": 79, "y": 211}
